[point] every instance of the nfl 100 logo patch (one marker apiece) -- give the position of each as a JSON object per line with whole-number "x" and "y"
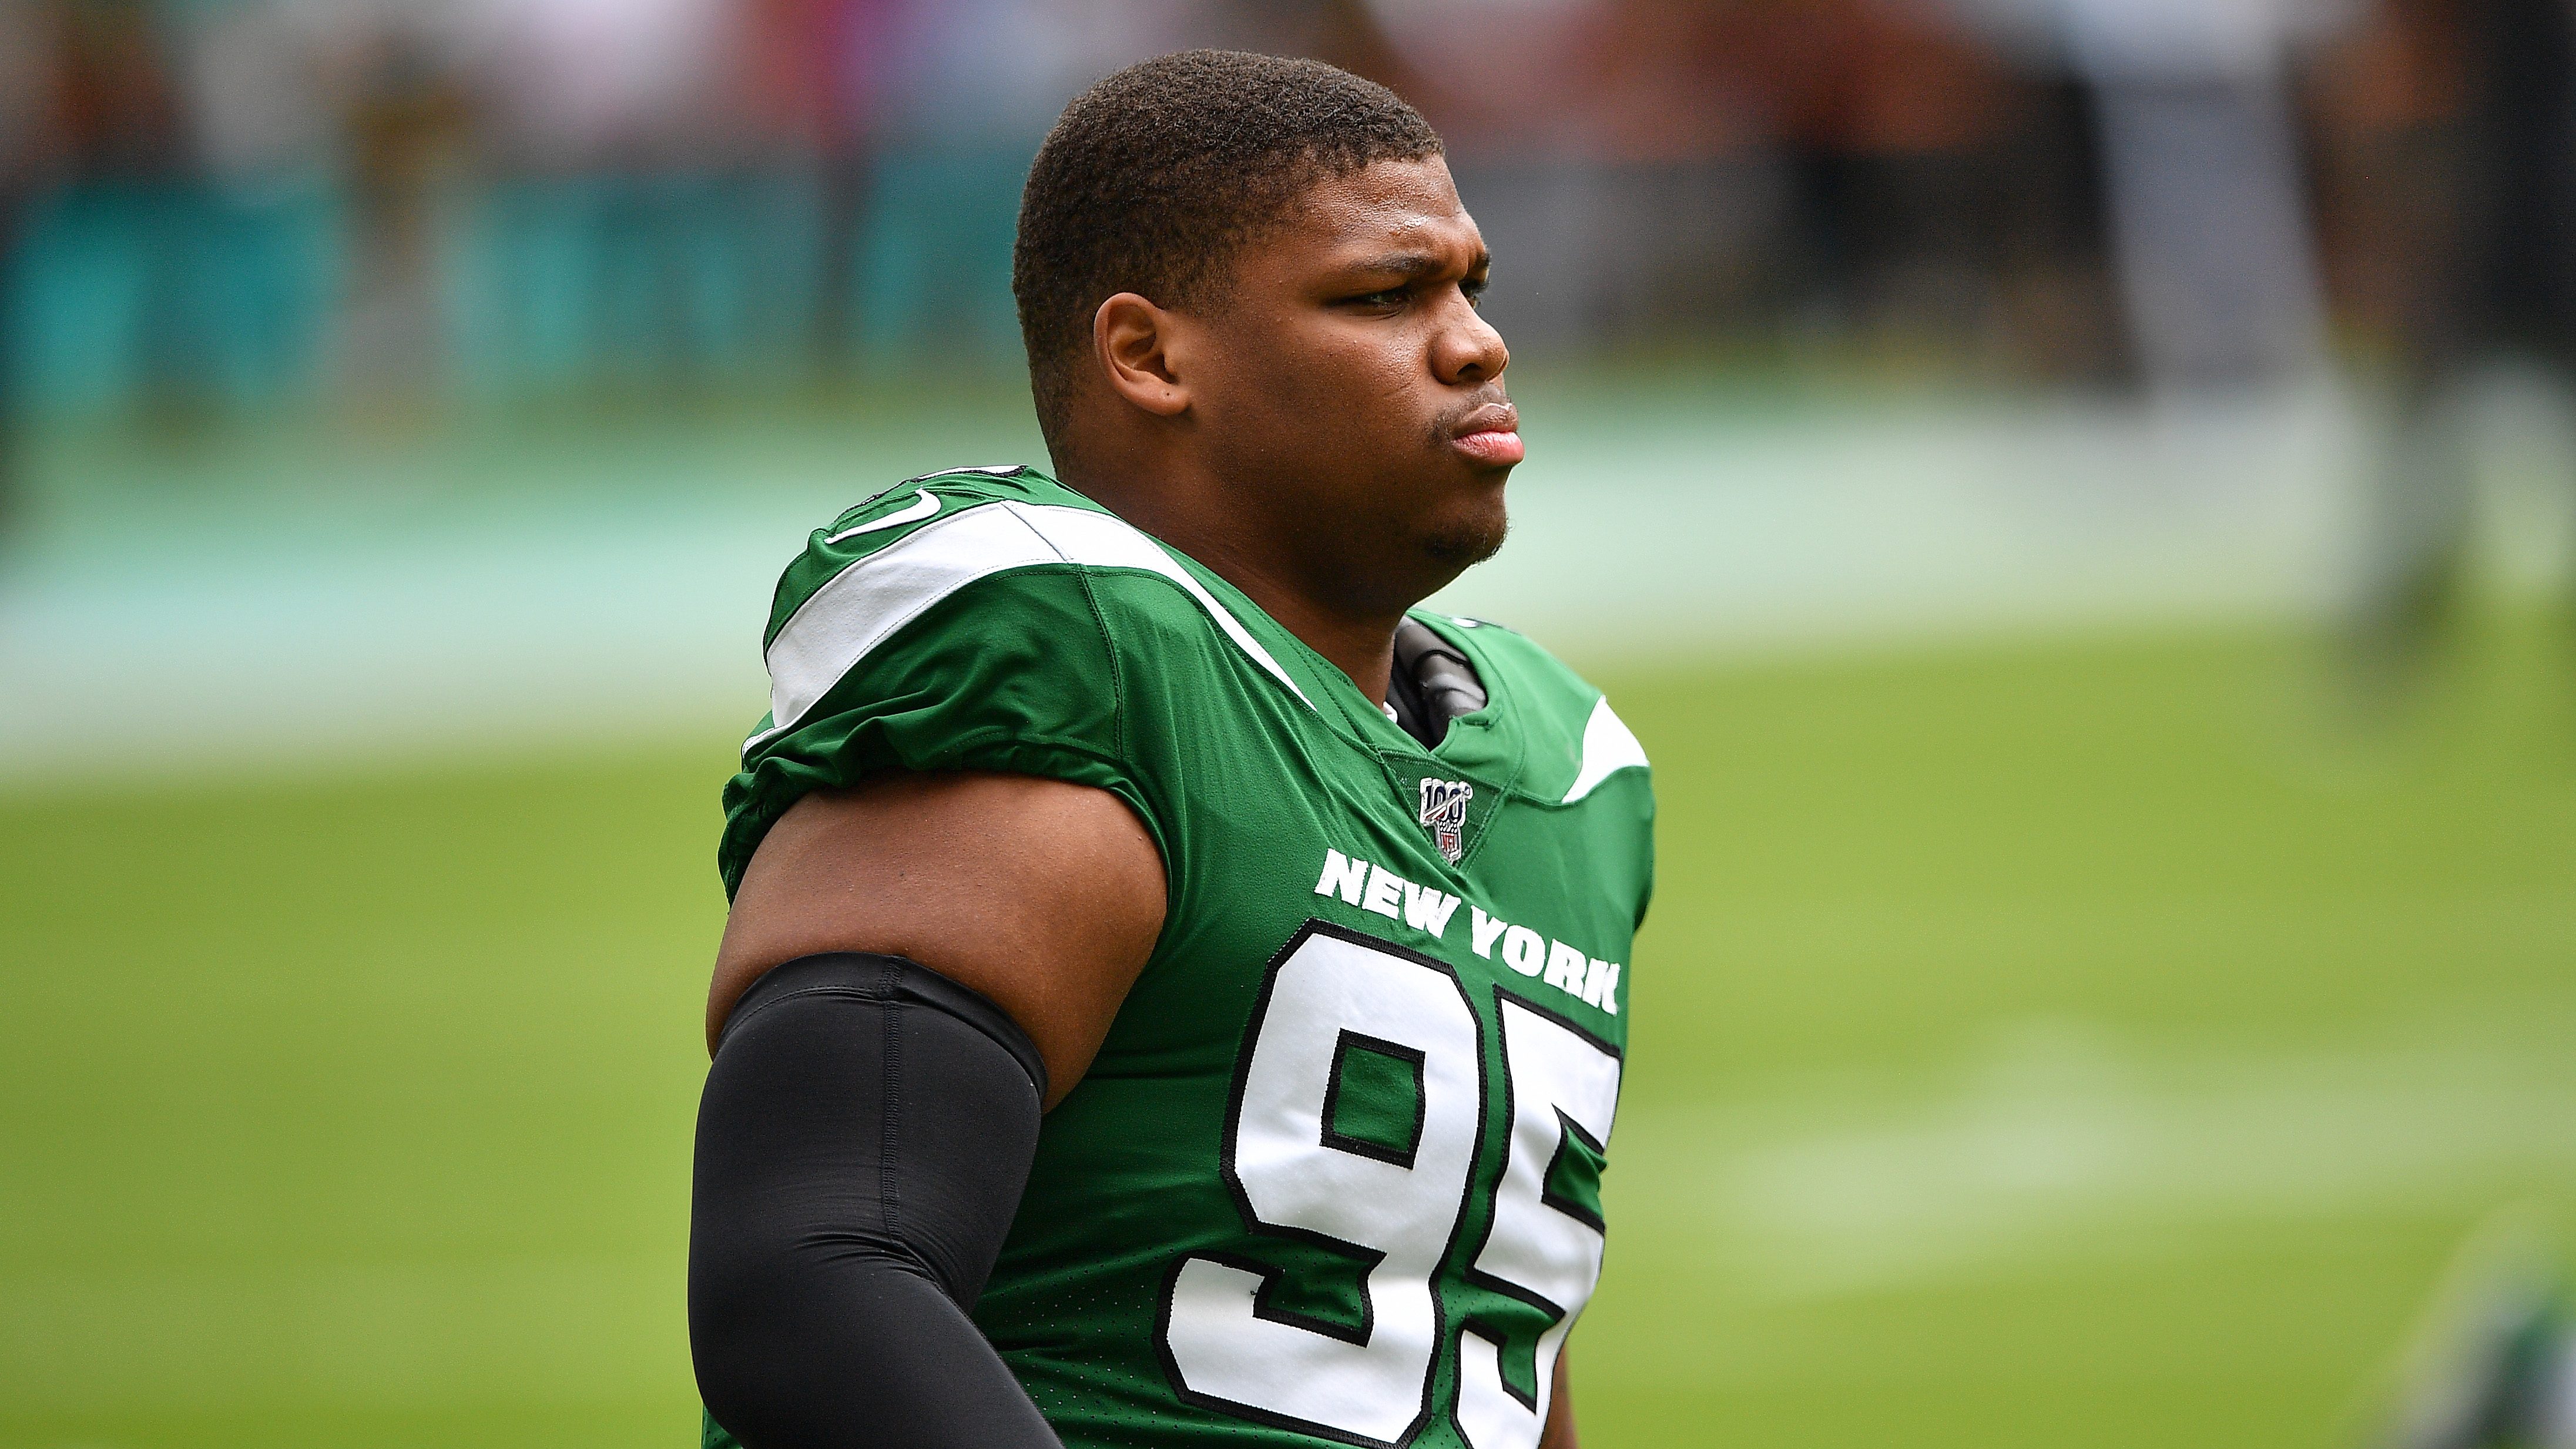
{"x": 1444, "y": 814}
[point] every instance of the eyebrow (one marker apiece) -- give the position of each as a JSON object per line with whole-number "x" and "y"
{"x": 1421, "y": 264}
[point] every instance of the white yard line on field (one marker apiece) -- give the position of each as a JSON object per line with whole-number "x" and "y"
{"x": 2064, "y": 1146}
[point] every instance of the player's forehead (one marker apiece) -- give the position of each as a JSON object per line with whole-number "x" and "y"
{"x": 1384, "y": 211}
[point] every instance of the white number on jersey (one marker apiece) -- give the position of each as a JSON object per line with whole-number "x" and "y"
{"x": 1541, "y": 1248}
{"x": 1295, "y": 1174}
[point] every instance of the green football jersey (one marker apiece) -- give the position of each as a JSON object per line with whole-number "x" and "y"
{"x": 1335, "y": 1174}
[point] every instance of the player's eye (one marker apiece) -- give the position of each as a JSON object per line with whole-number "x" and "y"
{"x": 1391, "y": 297}
{"x": 1474, "y": 290}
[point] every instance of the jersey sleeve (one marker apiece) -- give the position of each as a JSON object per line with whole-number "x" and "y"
{"x": 962, "y": 642}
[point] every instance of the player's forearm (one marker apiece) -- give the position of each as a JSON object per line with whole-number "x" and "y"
{"x": 864, "y": 1137}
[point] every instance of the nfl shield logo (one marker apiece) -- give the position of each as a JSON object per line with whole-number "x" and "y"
{"x": 1444, "y": 814}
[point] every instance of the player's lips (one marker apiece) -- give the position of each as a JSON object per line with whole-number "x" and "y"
{"x": 1490, "y": 435}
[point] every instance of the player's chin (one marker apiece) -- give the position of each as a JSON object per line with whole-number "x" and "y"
{"x": 1468, "y": 537}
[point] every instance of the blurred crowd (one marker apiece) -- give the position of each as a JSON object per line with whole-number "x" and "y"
{"x": 217, "y": 205}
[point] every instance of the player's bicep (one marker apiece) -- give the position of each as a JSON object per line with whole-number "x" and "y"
{"x": 1044, "y": 896}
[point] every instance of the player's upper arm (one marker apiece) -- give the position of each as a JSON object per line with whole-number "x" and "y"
{"x": 949, "y": 770}
{"x": 1043, "y": 895}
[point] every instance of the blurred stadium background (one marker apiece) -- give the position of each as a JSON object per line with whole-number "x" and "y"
{"x": 2100, "y": 617}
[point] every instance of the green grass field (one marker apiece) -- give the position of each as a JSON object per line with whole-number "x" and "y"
{"x": 2082, "y": 1044}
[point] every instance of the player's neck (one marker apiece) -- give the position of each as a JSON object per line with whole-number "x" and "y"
{"x": 1355, "y": 637}
{"x": 1361, "y": 646}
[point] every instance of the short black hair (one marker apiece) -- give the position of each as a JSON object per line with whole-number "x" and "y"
{"x": 1154, "y": 178}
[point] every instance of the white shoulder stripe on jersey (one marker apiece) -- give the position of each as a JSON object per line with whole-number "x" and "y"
{"x": 1609, "y": 746}
{"x": 924, "y": 504}
{"x": 863, "y": 605}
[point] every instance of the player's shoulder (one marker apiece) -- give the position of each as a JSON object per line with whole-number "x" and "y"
{"x": 1573, "y": 742}
{"x": 952, "y": 580}
{"x": 988, "y": 536}
{"x": 950, "y": 622}
{"x": 937, "y": 530}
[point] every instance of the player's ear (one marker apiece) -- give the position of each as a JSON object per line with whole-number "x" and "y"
{"x": 1132, "y": 339}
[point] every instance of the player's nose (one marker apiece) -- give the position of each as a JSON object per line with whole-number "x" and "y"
{"x": 1468, "y": 350}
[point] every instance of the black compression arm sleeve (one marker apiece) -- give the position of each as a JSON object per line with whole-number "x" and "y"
{"x": 866, "y": 1131}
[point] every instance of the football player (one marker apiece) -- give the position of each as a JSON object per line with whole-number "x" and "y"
{"x": 1175, "y": 988}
